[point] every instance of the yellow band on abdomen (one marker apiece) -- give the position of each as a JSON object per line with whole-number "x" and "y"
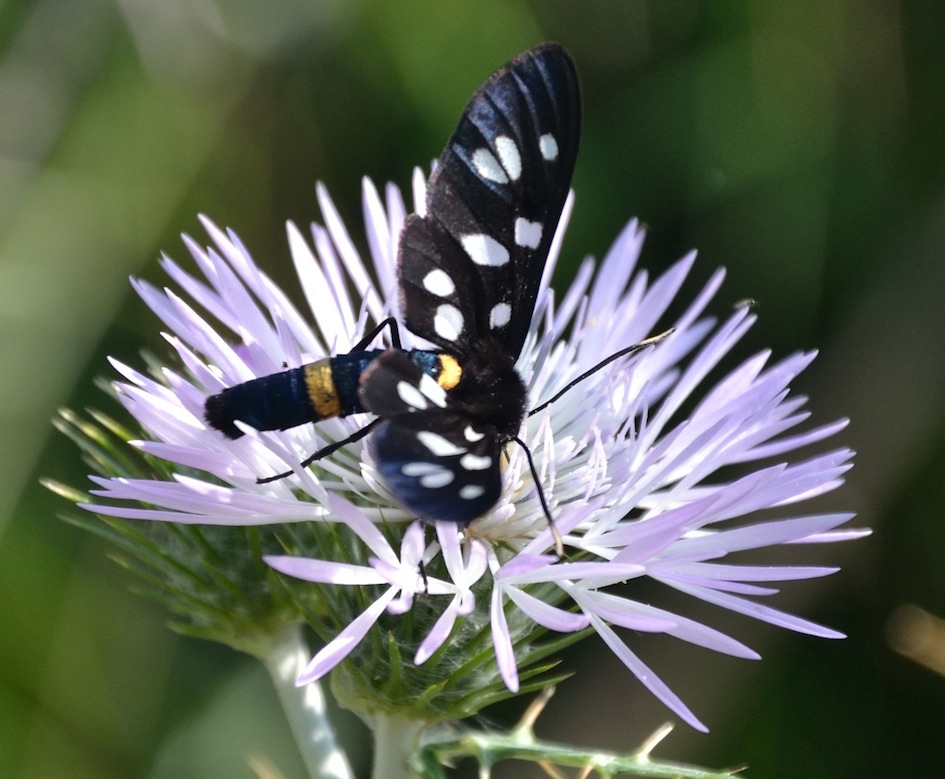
{"x": 321, "y": 389}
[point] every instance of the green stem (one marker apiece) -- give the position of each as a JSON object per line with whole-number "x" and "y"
{"x": 395, "y": 741}
{"x": 305, "y": 708}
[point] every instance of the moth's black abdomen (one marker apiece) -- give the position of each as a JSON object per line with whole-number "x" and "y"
{"x": 273, "y": 402}
{"x": 319, "y": 390}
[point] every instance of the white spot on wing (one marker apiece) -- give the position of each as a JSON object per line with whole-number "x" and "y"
{"x": 527, "y": 233}
{"x": 437, "y": 444}
{"x": 471, "y": 491}
{"x": 509, "y": 157}
{"x": 472, "y": 435}
{"x": 418, "y": 469}
{"x": 437, "y": 479}
{"x": 548, "y": 146}
{"x": 448, "y": 322}
{"x": 500, "y": 315}
{"x": 433, "y": 391}
{"x": 475, "y": 462}
{"x": 439, "y": 283}
{"x": 411, "y": 395}
{"x": 485, "y": 250}
{"x": 488, "y": 166}
{"x": 431, "y": 475}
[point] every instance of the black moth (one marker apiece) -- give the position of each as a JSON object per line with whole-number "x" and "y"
{"x": 469, "y": 272}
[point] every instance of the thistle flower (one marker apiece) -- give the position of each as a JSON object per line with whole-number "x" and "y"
{"x": 631, "y": 479}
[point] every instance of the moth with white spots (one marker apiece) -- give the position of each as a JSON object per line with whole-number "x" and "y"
{"x": 469, "y": 270}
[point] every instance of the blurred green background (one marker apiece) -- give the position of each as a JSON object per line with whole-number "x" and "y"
{"x": 801, "y": 145}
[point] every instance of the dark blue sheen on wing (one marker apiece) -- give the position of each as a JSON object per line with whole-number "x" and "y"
{"x": 437, "y": 486}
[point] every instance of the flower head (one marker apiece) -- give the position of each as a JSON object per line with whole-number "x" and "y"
{"x": 631, "y": 476}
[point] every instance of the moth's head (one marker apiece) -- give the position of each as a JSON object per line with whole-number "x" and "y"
{"x": 491, "y": 389}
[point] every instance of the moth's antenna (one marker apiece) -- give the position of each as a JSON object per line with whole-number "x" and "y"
{"x": 559, "y": 544}
{"x": 603, "y": 364}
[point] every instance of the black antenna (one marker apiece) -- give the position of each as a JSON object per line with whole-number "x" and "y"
{"x": 559, "y": 544}
{"x": 603, "y": 364}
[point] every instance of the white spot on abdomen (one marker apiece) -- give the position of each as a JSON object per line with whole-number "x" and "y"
{"x": 527, "y": 233}
{"x": 485, "y": 250}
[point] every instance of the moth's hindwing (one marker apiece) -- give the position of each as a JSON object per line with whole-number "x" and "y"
{"x": 470, "y": 268}
{"x": 393, "y": 385}
{"x": 438, "y": 465}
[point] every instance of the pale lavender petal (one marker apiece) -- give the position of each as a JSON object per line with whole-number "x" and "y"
{"x": 646, "y": 618}
{"x": 333, "y": 324}
{"x": 649, "y": 679}
{"x": 790, "y": 443}
{"x": 438, "y": 633}
{"x": 502, "y": 642}
{"x": 753, "y": 573}
{"x": 336, "y": 285}
{"x": 348, "y": 254}
{"x": 341, "y": 645}
{"x": 554, "y": 251}
{"x": 323, "y": 571}
{"x": 669, "y": 573}
{"x": 200, "y": 502}
{"x": 616, "y": 268}
{"x": 545, "y": 614}
{"x": 621, "y": 611}
{"x": 600, "y": 573}
{"x": 756, "y": 610}
{"x": 464, "y": 569}
{"x": 405, "y": 579}
{"x": 656, "y": 300}
{"x": 523, "y": 564}
{"x": 575, "y": 294}
{"x": 758, "y": 535}
{"x": 202, "y": 294}
{"x": 346, "y": 512}
{"x": 833, "y": 536}
{"x": 191, "y": 457}
{"x": 382, "y": 242}
{"x": 689, "y": 319}
{"x": 642, "y": 540}
{"x": 419, "y": 189}
{"x": 708, "y": 357}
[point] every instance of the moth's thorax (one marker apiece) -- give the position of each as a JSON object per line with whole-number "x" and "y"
{"x": 491, "y": 390}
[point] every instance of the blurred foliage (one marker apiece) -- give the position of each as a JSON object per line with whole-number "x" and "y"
{"x": 799, "y": 144}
